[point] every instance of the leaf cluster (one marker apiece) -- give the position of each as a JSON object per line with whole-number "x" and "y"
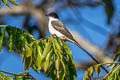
{"x": 50, "y": 54}
{"x": 11, "y": 76}
{"x": 6, "y": 2}
{"x": 4, "y": 77}
{"x": 112, "y": 75}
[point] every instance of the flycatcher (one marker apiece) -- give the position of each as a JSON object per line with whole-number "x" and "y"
{"x": 58, "y": 28}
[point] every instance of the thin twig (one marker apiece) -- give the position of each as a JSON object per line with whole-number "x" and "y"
{"x": 27, "y": 75}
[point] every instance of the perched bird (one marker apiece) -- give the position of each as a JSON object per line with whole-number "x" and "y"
{"x": 58, "y": 28}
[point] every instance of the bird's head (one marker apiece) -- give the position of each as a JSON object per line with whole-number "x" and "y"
{"x": 53, "y": 14}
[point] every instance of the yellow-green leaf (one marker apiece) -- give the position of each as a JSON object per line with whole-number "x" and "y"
{"x": 85, "y": 75}
{"x": 47, "y": 62}
{"x": 2, "y": 33}
{"x": 11, "y": 43}
{"x": 90, "y": 71}
{"x": 97, "y": 69}
{"x": 13, "y": 2}
{"x": 38, "y": 57}
{"x": 27, "y": 62}
{"x": 5, "y": 2}
{"x": 57, "y": 45}
{"x": 28, "y": 51}
{"x": 57, "y": 66}
{"x": 46, "y": 50}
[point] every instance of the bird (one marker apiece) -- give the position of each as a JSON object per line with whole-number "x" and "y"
{"x": 57, "y": 28}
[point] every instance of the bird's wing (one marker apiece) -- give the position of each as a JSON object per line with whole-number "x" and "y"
{"x": 59, "y": 26}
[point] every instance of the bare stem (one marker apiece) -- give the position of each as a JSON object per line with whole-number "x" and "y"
{"x": 27, "y": 75}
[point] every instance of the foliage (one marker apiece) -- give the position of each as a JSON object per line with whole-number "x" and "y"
{"x": 112, "y": 75}
{"x": 6, "y": 2}
{"x": 11, "y": 76}
{"x": 51, "y": 53}
{"x": 4, "y": 77}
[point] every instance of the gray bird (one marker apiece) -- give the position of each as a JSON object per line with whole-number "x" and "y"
{"x": 58, "y": 28}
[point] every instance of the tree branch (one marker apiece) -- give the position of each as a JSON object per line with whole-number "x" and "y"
{"x": 92, "y": 48}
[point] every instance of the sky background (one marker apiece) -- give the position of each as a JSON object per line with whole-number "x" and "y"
{"x": 96, "y": 33}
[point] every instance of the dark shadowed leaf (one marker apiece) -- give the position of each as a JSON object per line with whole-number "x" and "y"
{"x": 116, "y": 56}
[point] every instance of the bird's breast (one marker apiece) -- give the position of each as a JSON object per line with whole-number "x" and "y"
{"x": 52, "y": 30}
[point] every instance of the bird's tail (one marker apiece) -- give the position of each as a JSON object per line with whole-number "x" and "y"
{"x": 85, "y": 51}
{"x": 74, "y": 41}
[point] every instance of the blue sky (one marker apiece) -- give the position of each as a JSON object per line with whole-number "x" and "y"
{"x": 96, "y": 33}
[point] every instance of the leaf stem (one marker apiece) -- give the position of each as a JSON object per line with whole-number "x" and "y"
{"x": 27, "y": 75}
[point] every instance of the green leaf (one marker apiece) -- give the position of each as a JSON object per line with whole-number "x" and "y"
{"x": 28, "y": 51}
{"x": 50, "y": 72}
{"x": 11, "y": 38}
{"x": 85, "y": 75}
{"x": 113, "y": 74}
{"x": 5, "y": 2}
{"x": 1, "y": 75}
{"x": 30, "y": 38}
{"x": 27, "y": 62}
{"x": 11, "y": 43}
{"x": 3, "y": 25}
{"x": 4, "y": 77}
{"x": 46, "y": 50}
{"x": 47, "y": 61}
{"x": 57, "y": 66}
{"x": 39, "y": 50}
{"x": 90, "y": 71}
{"x": 37, "y": 55}
{"x": 13, "y": 2}
{"x": 116, "y": 56}
{"x": 20, "y": 40}
{"x": 57, "y": 45}
{"x": 2, "y": 33}
{"x": 17, "y": 77}
{"x": 97, "y": 68}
